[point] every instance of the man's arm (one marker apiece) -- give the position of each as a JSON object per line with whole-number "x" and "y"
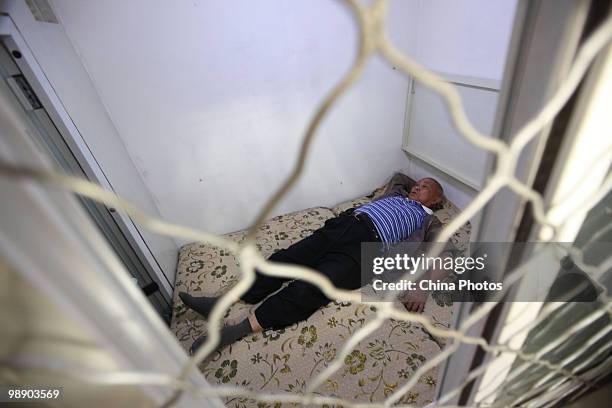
{"x": 399, "y": 184}
{"x": 414, "y": 300}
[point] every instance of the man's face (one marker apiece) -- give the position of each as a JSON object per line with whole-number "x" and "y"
{"x": 426, "y": 192}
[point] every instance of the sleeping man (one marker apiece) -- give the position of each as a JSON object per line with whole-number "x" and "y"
{"x": 334, "y": 251}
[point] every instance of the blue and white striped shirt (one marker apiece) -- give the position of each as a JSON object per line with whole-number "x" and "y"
{"x": 395, "y": 217}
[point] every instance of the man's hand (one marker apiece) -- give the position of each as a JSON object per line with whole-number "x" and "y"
{"x": 414, "y": 300}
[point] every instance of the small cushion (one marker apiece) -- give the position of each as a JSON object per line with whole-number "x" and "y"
{"x": 461, "y": 238}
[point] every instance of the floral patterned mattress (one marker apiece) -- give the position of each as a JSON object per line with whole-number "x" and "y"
{"x": 284, "y": 360}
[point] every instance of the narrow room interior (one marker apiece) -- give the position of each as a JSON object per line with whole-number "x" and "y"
{"x": 153, "y": 153}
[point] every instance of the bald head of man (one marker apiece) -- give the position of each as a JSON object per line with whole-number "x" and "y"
{"x": 427, "y": 191}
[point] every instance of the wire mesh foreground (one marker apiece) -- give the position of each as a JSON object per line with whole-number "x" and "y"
{"x": 373, "y": 39}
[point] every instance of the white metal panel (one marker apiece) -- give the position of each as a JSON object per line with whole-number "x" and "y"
{"x": 431, "y": 136}
{"x": 84, "y": 114}
{"x": 158, "y": 253}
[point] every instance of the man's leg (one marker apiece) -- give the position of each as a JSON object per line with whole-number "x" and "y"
{"x": 294, "y": 303}
{"x": 299, "y": 300}
{"x": 306, "y": 252}
{"x": 229, "y": 334}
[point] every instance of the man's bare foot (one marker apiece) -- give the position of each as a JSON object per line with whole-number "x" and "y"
{"x": 255, "y": 326}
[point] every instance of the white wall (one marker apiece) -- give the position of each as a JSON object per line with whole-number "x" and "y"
{"x": 212, "y": 98}
{"x": 63, "y": 68}
{"x": 467, "y": 38}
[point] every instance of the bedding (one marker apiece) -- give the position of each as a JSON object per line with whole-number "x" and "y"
{"x": 283, "y": 361}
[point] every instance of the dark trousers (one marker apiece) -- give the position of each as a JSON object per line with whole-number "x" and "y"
{"x": 333, "y": 250}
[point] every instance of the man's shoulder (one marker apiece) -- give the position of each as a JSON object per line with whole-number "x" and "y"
{"x": 434, "y": 227}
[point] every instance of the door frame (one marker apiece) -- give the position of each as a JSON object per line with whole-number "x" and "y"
{"x": 61, "y": 119}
